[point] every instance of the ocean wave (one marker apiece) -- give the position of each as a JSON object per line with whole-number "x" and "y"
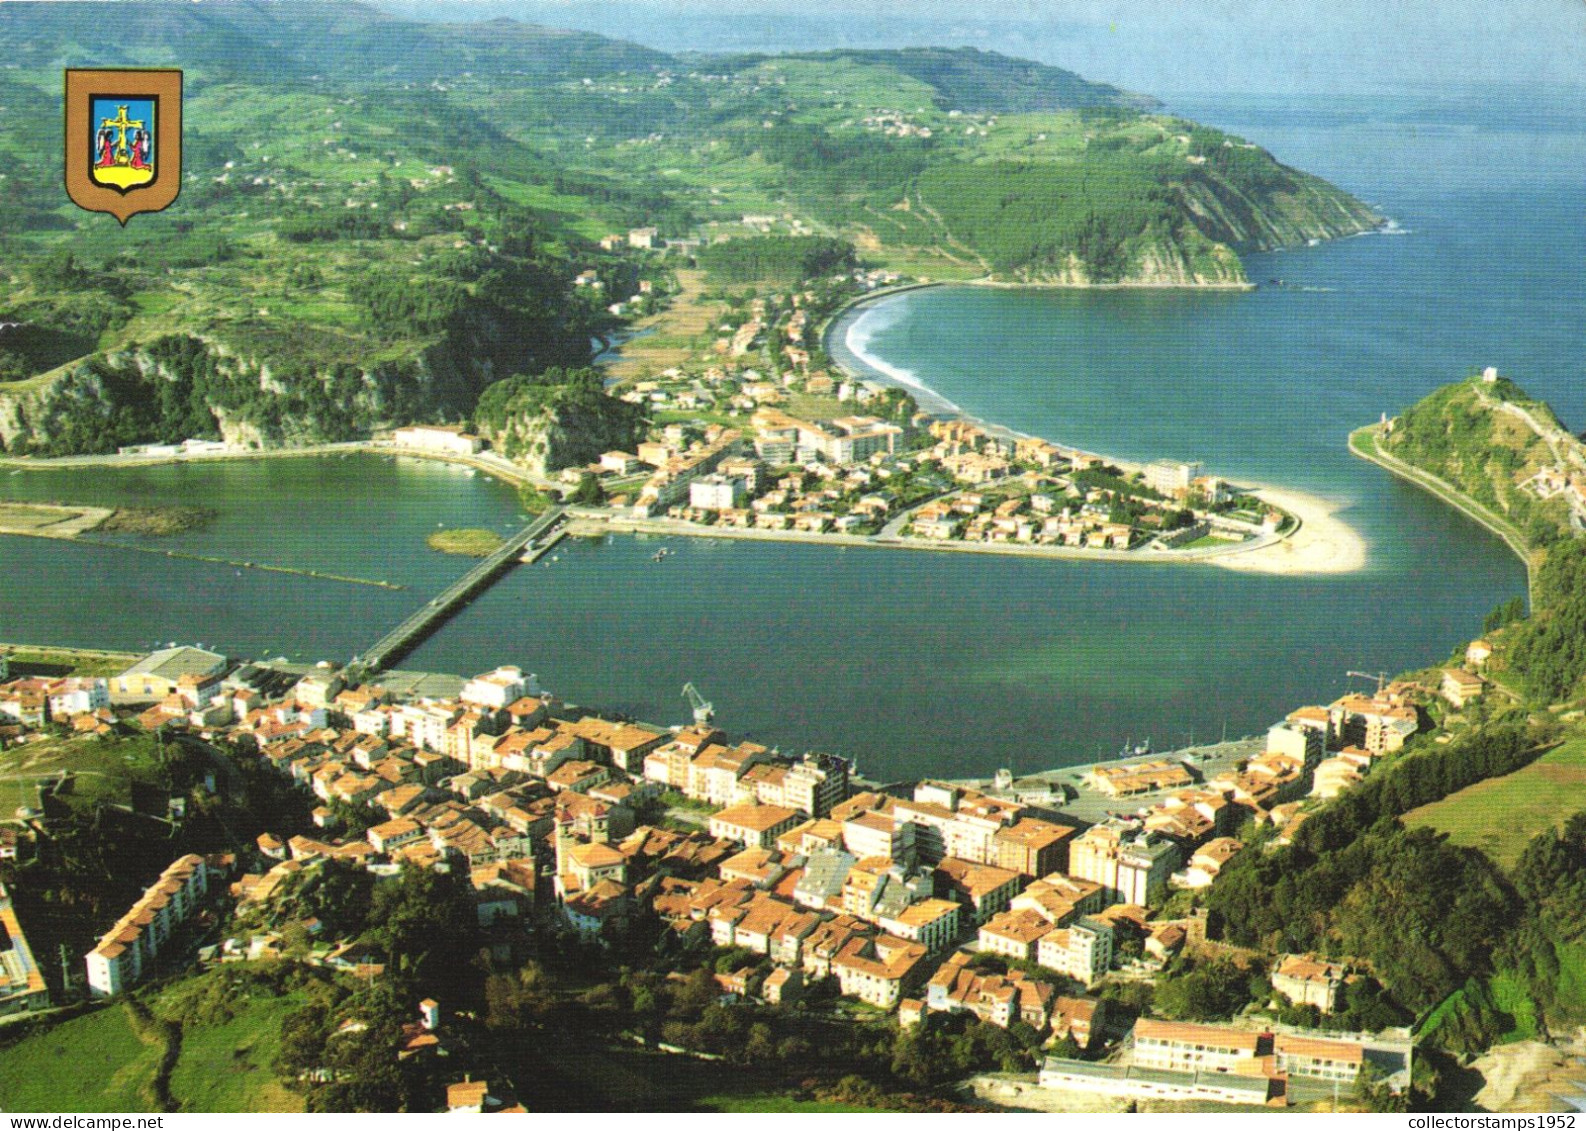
{"x": 864, "y": 330}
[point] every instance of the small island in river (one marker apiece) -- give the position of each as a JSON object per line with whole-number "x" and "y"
{"x": 468, "y": 543}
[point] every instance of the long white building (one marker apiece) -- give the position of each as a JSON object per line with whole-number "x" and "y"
{"x": 126, "y": 952}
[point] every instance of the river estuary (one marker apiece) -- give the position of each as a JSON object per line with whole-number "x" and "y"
{"x": 952, "y": 664}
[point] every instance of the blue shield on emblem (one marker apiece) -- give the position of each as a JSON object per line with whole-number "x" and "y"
{"x": 122, "y": 150}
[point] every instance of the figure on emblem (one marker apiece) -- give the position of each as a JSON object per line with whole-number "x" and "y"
{"x": 107, "y": 150}
{"x": 140, "y": 150}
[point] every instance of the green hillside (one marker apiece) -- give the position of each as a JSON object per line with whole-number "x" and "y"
{"x": 379, "y": 217}
{"x": 1501, "y": 815}
{"x": 1483, "y": 438}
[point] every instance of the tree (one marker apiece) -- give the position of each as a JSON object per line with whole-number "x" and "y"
{"x": 425, "y": 924}
{"x": 1210, "y": 991}
{"x": 588, "y": 492}
{"x": 302, "y": 1049}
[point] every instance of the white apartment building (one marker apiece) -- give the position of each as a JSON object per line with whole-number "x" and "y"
{"x": 126, "y": 952}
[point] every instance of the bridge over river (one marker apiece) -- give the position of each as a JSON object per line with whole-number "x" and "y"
{"x": 526, "y": 545}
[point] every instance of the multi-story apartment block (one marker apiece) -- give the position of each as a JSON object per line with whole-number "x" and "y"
{"x": 1083, "y": 950}
{"x": 1129, "y": 864}
{"x": 126, "y": 952}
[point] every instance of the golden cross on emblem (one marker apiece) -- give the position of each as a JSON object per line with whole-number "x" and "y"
{"x": 121, "y": 123}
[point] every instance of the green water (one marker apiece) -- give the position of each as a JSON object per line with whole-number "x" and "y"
{"x": 954, "y": 664}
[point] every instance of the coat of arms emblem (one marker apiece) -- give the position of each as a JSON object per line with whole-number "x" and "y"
{"x": 123, "y": 139}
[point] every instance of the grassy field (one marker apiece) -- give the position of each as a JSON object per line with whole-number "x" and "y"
{"x": 226, "y": 1067}
{"x": 26, "y": 517}
{"x": 30, "y": 661}
{"x": 687, "y": 317}
{"x": 90, "y": 1063}
{"x": 1500, "y": 815}
{"x": 808, "y": 406}
{"x": 98, "y": 1062}
{"x": 105, "y": 766}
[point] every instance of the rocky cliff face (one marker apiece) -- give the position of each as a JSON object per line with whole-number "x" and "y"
{"x": 209, "y": 385}
{"x": 1302, "y": 208}
{"x": 1223, "y": 220}
{"x": 31, "y": 411}
{"x": 557, "y": 419}
{"x": 1154, "y": 263}
{"x": 566, "y": 435}
{"x": 184, "y": 386}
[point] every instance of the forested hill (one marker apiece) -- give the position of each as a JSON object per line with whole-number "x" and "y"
{"x": 1490, "y": 440}
{"x": 964, "y": 78}
{"x": 400, "y": 208}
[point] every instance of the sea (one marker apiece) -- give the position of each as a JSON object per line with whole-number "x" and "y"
{"x": 919, "y": 664}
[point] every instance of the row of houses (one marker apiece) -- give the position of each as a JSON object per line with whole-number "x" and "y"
{"x": 34, "y": 702}
{"x": 126, "y": 952}
{"x": 700, "y": 763}
{"x": 670, "y": 483}
{"x": 781, "y": 439}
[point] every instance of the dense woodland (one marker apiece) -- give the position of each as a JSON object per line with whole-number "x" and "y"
{"x": 1041, "y": 215}
{"x": 1547, "y": 652}
{"x": 775, "y": 259}
{"x": 1426, "y": 915}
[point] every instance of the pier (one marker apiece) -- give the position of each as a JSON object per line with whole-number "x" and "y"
{"x": 526, "y": 545}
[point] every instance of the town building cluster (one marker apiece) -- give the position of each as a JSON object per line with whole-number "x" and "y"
{"x": 1176, "y": 1061}
{"x": 604, "y": 828}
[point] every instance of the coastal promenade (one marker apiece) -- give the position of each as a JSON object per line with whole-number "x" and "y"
{"x": 67, "y": 463}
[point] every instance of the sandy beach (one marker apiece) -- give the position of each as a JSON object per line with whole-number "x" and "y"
{"x": 1324, "y": 543}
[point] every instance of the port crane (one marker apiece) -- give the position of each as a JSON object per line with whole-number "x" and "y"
{"x": 1380, "y": 677}
{"x": 703, "y": 711}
